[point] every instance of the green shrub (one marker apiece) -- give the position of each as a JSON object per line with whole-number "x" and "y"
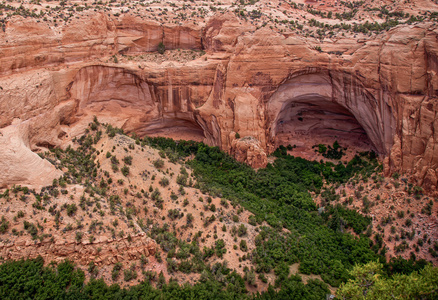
{"x": 243, "y": 246}
{"x": 4, "y": 225}
{"x": 116, "y": 271}
{"x": 161, "y": 48}
{"x": 164, "y": 181}
{"x": 125, "y": 170}
{"x": 158, "y": 163}
{"x": 128, "y": 160}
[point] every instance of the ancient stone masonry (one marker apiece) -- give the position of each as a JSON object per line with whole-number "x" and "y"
{"x": 269, "y": 88}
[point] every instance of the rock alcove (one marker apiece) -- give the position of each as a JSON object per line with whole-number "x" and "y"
{"x": 269, "y": 88}
{"x": 324, "y": 107}
{"x": 127, "y": 100}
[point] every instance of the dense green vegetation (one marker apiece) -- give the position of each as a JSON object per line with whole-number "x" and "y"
{"x": 340, "y": 216}
{"x": 369, "y": 282}
{"x": 280, "y": 194}
{"x": 29, "y": 279}
{"x": 335, "y": 152}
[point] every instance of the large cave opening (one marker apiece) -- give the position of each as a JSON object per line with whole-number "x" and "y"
{"x": 322, "y": 108}
{"x": 310, "y": 120}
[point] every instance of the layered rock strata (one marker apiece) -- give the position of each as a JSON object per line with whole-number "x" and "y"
{"x": 105, "y": 251}
{"x": 274, "y": 88}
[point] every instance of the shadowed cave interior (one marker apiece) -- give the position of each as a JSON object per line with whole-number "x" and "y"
{"x": 177, "y": 129}
{"x": 308, "y": 121}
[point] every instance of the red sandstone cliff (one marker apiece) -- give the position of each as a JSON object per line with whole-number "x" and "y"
{"x": 271, "y": 87}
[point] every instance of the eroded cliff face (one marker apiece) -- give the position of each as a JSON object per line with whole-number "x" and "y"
{"x": 269, "y": 88}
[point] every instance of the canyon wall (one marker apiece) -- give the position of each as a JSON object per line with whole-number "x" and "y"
{"x": 253, "y": 89}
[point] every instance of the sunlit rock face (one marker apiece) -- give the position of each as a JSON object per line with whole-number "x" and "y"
{"x": 268, "y": 88}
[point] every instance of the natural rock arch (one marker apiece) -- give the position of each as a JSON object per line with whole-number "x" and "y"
{"x": 329, "y": 104}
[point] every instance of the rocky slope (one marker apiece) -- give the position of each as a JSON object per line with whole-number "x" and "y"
{"x": 128, "y": 206}
{"x": 374, "y": 91}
